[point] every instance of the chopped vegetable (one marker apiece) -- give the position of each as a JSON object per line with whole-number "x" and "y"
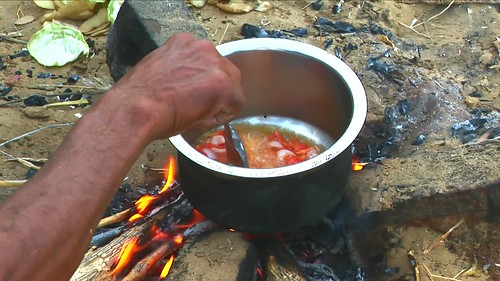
{"x": 264, "y": 150}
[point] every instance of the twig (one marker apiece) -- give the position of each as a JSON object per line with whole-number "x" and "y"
{"x": 9, "y": 38}
{"x": 441, "y": 238}
{"x": 437, "y": 15}
{"x": 224, "y": 33}
{"x": 116, "y": 218}
{"x": 361, "y": 8}
{"x": 35, "y": 131}
{"x": 66, "y": 103}
{"x": 12, "y": 183}
{"x": 412, "y": 29}
{"x": 414, "y": 263}
{"x": 308, "y": 4}
{"x": 74, "y": 86}
{"x": 432, "y": 276}
{"x": 26, "y": 163}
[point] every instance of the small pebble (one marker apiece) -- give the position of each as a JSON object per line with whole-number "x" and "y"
{"x": 420, "y": 139}
{"x": 73, "y": 78}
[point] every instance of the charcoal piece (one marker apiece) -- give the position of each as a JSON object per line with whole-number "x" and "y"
{"x": 30, "y": 173}
{"x": 35, "y": 100}
{"x": 468, "y": 126}
{"x": 338, "y": 54}
{"x": 317, "y": 5}
{"x": 29, "y": 73}
{"x": 327, "y": 43}
{"x": 420, "y": 139}
{"x": 336, "y": 9}
{"x": 5, "y": 90}
{"x": 22, "y": 53}
{"x": 2, "y": 64}
{"x": 385, "y": 68}
{"x": 403, "y": 107}
{"x": 389, "y": 271}
{"x": 73, "y": 78}
{"x": 253, "y": 31}
{"x": 18, "y": 72}
{"x": 277, "y": 34}
{"x": 329, "y": 26}
{"x": 45, "y": 75}
{"x": 467, "y": 130}
{"x": 106, "y": 236}
{"x": 380, "y": 66}
{"x": 10, "y": 98}
{"x": 297, "y": 32}
{"x": 377, "y": 29}
{"x": 349, "y": 47}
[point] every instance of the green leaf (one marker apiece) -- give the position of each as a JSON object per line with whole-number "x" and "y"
{"x": 57, "y": 44}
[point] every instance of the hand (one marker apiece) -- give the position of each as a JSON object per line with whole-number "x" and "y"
{"x": 183, "y": 82}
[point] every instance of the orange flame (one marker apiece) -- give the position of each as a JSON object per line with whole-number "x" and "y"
{"x": 126, "y": 253}
{"x": 356, "y": 165}
{"x": 170, "y": 174}
{"x": 166, "y": 268}
{"x": 142, "y": 205}
{"x": 178, "y": 240}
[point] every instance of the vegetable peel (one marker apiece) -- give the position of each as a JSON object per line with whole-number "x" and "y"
{"x": 56, "y": 44}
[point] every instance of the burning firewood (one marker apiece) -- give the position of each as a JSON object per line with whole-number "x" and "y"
{"x": 141, "y": 269}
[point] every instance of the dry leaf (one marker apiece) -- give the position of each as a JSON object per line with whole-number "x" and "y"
{"x": 78, "y": 10}
{"x": 24, "y": 20}
{"x": 45, "y": 4}
{"x": 198, "y": 3}
{"x": 95, "y": 21}
{"x": 235, "y": 8}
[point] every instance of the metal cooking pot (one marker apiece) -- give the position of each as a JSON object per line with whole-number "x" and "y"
{"x": 289, "y": 79}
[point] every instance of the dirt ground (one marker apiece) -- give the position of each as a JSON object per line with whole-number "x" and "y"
{"x": 456, "y": 53}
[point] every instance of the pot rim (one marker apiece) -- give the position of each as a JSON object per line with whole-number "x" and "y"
{"x": 345, "y": 73}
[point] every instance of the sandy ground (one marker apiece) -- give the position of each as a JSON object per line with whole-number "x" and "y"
{"x": 458, "y": 50}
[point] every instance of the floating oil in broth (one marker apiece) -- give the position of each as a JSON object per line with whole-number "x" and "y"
{"x": 267, "y": 146}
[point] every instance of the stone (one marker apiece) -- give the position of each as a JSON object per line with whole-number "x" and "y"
{"x": 472, "y": 102}
{"x": 36, "y": 112}
{"x": 428, "y": 186}
{"x": 222, "y": 255}
{"x": 139, "y": 29}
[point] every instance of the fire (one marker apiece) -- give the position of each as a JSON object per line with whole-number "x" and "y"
{"x": 166, "y": 268}
{"x": 178, "y": 239}
{"x": 144, "y": 204}
{"x": 155, "y": 243}
{"x": 170, "y": 174}
{"x": 126, "y": 254}
{"x": 356, "y": 165}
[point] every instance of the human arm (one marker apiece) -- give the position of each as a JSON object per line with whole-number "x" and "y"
{"x": 46, "y": 225}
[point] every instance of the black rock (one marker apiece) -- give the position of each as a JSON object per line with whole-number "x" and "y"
{"x": 22, "y": 53}
{"x": 45, "y": 75}
{"x": 73, "y": 78}
{"x": 317, "y": 5}
{"x": 253, "y": 31}
{"x": 35, "y": 100}
{"x": 420, "y": 139}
